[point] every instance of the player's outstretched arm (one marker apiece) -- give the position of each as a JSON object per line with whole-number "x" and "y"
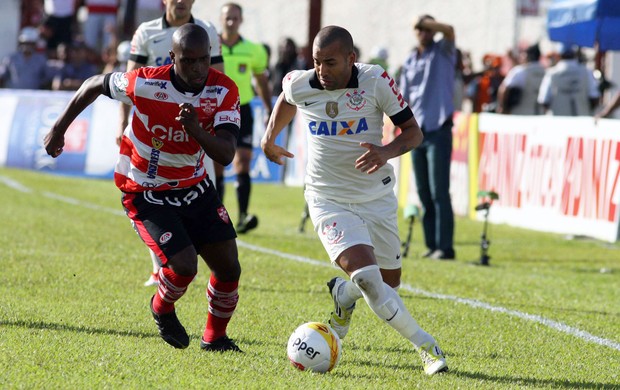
{"x": 283, "y": 113}
{"x": 54, "y": 140}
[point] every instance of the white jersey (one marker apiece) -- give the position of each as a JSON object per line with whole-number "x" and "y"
{"x": 337, "y": 121}
{"x": 567, "y": 88}
{"x": 152, "y": 41}
{"x": 527, "y": 78}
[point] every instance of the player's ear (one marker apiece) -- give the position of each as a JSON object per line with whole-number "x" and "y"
{"x": 352, "y": 58}
{"x": 171, "y": 56}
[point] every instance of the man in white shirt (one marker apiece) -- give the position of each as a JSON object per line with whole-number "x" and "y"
{"x": 349, "y": 183}
{"x": 569, "y": 88}
{"x": 518, "y": 93}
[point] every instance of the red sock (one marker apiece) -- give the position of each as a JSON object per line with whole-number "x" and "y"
{"x": 223, "y": 297}
{"x": 171, "y": 288}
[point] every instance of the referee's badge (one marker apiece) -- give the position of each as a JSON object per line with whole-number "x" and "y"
{"x": 331, "y": 109}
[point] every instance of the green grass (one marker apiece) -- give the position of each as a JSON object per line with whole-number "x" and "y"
{"x": 74, "y": 313}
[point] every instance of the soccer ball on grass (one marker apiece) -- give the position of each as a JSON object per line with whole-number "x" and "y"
{"x": 314, "y": 346}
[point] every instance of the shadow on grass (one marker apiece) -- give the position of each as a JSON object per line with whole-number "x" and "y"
{"x": 77, "y": 329}
{"x": 517, "y": 381}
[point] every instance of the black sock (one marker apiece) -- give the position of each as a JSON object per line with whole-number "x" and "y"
{"x": 244, "y": 186}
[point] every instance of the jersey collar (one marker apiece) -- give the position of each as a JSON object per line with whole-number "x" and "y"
{"x": 165, "y": 23}
{"x": 177, "y": 86}
{"x": 353, "y": 81}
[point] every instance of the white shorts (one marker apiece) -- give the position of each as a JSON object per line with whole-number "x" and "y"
{"x": 343, "y": 225}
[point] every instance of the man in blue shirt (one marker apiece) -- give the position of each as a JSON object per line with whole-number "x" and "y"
{"x": 26, "y": 68}
{"x": 427, "y": 82}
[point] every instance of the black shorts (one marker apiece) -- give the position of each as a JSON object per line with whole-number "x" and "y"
{"x": 170, "y": 221}
{"x": 247, "y": 127}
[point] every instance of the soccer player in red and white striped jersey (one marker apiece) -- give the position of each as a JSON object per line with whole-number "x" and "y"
{"x": 183, "y": 112}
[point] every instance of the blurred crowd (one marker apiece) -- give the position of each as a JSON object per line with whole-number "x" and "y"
{"x": 63, "y": 42}
{"x": 66, "y": 41}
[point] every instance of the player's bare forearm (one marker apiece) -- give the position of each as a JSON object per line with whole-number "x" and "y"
{"x": 377, "y": 156}
{"x": 409, "y": 138}
{"x": 283, "y": 113}
{"x": 263, "y": 90}
{"x": 85, "y": 95}
{"x": 220, "y": 147}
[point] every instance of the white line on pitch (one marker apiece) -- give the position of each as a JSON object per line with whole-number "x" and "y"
{"x": 561, "y": 327}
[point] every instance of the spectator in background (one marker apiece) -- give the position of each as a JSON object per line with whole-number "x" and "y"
{"x": 101, "y": 24}
{"x": 75, "y": 70}
{"x": 459, "y": 81}
{"x": 610, "y": 107}
{"x": 117, "y": 58}
{"x": 427, "y": 82}
{"x": 483, "y": 88}
{"x": 518, "y": 93}
{"x": 244, "y": 61}
{"x": 569, "y": 88}
{"x": 288, "y": 60}
{"x": 59, "y": 23}
{"x": 26, "y": 68}
{"x": 148, "y": 10}
{"x": 56, "y": 64}
{"x": 379, "y": 56}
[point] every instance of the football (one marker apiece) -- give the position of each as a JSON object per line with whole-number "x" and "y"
{"x": 314, "y": 346}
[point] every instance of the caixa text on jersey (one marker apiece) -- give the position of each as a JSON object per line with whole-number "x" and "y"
{"x": 338, "y": 127}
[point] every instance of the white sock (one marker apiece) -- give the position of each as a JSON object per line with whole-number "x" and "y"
{"x": 387, "y": 305}
{"x": 348, "y": 293}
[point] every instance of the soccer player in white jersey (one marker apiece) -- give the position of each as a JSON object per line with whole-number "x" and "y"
{"x": 183, "y": 111}
{"x": 349, "y": 183}
{"x": 150, "y": 46}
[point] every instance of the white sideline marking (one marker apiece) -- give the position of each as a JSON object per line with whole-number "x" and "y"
{"x": 560, "y": 327}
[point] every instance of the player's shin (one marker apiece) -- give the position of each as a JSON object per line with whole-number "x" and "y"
{"x": 223, "y": 298}
{"x": 387, "y": 305}
{"x": 171, "y": 288}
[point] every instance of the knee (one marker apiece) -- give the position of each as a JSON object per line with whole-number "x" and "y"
{"x": 231, "y": 272}
{"x": 184, "y": 263}
{"x": 368, "y": 279}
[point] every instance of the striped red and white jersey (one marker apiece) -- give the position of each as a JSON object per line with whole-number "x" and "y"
{"x": 156, "y": 153}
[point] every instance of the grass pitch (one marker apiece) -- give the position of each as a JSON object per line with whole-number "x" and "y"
{"x": 74, "y": 313}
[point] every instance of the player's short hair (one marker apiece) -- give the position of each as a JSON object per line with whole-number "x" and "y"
{"x": 330, "y": 34}
{"x": 190, "y": 35}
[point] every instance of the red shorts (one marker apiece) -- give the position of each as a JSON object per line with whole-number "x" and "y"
{"x": 170, "y": 221}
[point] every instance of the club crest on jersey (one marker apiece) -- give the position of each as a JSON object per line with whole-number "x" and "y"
{"x": 331, "y": 109}
{"x": 332, "y": 233}
{"x": 120, "y": 82}
{"x": 157, "y": 143}
{"x": 164, "y": 238}
{"x": 356, "y": 100}
{"x": 208, "y": 105}
{"x": 223, "y": 214}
